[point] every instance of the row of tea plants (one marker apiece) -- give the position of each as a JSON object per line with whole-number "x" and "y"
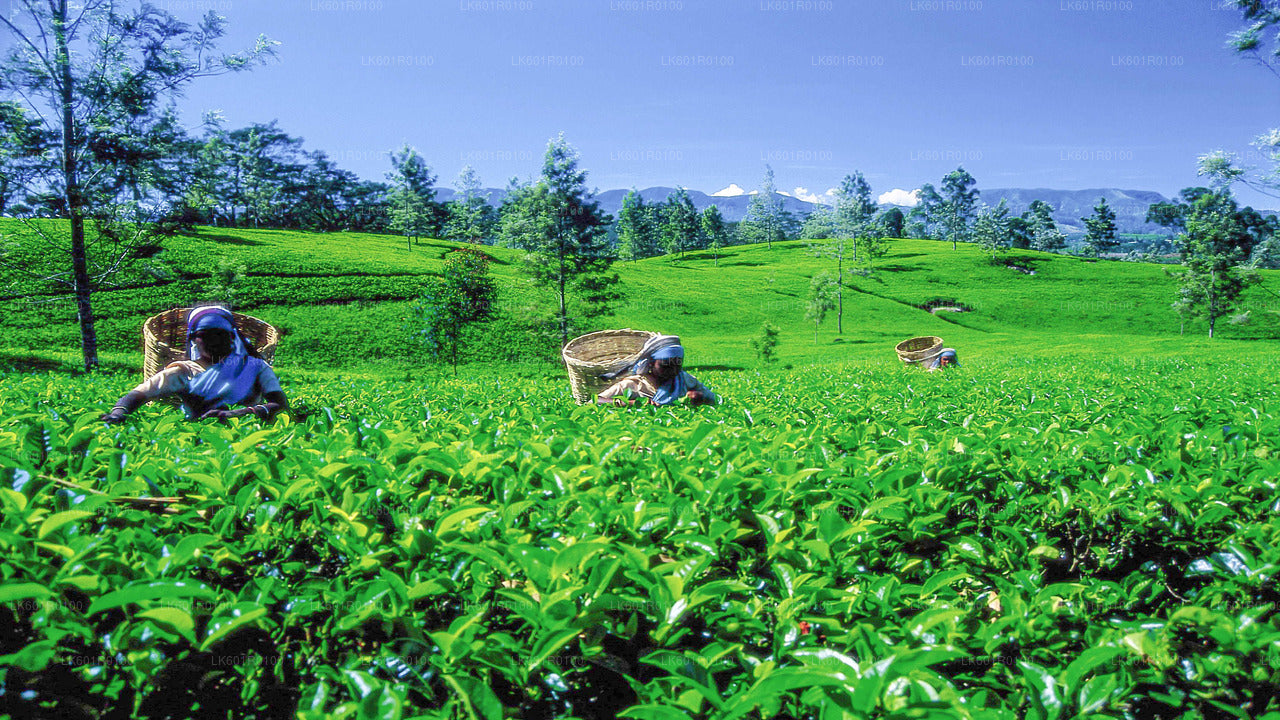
{"x": 1023, "y": 541}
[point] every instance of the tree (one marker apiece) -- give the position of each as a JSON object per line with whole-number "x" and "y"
{"x": 822, "y": 298}
{"x": 22, "y": 141}
{"x": 635, "y": 229}
{"x": 765, "y": 344}
{"x": 470, "y": 217}
{"x": 680, "y": 227}
{"x": 463, "y": 295}
{"x": 1214, "y": 249}
{"x": 819, "y": 224}
{"x": 1258, "y": 41}
{"x": 991, "y": 230}
{"x": 561, "y": 227}
{"x": 850, "y": 221}
{"x": 1043, "y": 230}
{"x": 892, "y": 222}
{"x": 714, "y": 231}
{"x": 959, "y": 205}
{"x": 1100, "y": 229}
{"x": 926, "y": 217}
{"x": 1019, "y": 233}
{"x": 102, "y": 80}
{"x": 767, "y": 220}
{"x": 412, "y": 198}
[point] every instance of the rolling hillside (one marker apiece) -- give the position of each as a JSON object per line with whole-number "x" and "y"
{"x": 344, "y": 300}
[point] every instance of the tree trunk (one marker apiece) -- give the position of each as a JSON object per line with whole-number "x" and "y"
{"x": 840, "y": 294}
{"x": 564, "y": 317}
{"x": 73, "y": 194}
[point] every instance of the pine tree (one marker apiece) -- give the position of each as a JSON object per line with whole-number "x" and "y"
{"x": 1100, "y": 230}
{"x": 680, "y": 226}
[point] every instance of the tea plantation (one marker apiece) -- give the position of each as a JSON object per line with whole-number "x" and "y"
{"x": 1024, "y": 541}
{"x": 1079, "y": 522}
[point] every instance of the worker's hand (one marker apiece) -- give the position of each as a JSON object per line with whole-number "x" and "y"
{"x": 220, "y": 414}
{"x": 696, "y": 398}
{"x": 114, "y": 417}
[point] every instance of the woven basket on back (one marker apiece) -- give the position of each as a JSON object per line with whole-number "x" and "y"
{"x": 919, "y": 350}
{"x": 590, "y": 357}
{"x": 164, "y": 338}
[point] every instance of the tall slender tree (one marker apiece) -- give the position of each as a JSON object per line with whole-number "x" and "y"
{"x": 103, "y": 79}
{"x": 561, "y": 226}
{"x": 715, "y": 231}
{"x": 413, "y": 194}
{"x": 767, "y": 220}
{"x": 959, "y": 205}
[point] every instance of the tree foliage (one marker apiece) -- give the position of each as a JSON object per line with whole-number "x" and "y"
{"x": 1100, "y": 230}
{"x": 1214, "y": 248}
{"x": 714, "y": 231}
{"x": 560, "y": 225}
{"x": 101, "y": 79}
{"x": 681, "y": 229}
{"x": 991, "y": 230}
{"x": 959, "y": 205}
{"x": 767, "y": 220}
{"x": 463, "y": 294}
{"x": 412, "y": 204}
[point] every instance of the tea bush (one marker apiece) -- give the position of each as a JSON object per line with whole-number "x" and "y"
{"x": 1036, "y": 541}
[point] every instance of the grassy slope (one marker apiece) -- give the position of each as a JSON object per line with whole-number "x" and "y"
{"x": 342, "y": 298}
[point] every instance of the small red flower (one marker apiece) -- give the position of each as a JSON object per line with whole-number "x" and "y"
{"x": 804, "y": 627}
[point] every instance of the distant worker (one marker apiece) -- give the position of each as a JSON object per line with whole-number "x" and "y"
{"x": 658, "y": 376}
{"x": 945, "y": 359}
{"x": 223, "y": 371}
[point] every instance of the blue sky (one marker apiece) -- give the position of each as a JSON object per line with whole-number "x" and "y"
{"x": 1066, "y": 94}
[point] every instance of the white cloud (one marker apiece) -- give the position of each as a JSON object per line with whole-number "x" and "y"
{"x": 732, "y": 191}
{"x": 900, "y": 197}
{"x": 826, "y": 198}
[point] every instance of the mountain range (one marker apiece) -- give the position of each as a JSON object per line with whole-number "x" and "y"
{"x": 1069, "y": 206}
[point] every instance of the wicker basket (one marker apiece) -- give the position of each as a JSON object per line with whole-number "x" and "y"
{"x": 590, "y": 357}
{"x": 919, "y": 350}
{"x": 164, "y": 338}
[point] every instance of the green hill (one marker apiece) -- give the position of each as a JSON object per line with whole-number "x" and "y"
{"x": 345, "y": 299}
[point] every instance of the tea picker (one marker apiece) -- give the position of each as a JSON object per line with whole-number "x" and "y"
{"x": 219, "y": 367}
{"x": 926, "y": 352}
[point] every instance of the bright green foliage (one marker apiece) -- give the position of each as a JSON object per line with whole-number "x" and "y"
{"x": 1100, "y": 230}
{"x": 765, "y": 345}
{"x": 464, "y": 294}
{"x": 1032, "y": 539}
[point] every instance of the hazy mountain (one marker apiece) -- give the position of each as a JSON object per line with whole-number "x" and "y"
{"x": 1069, "y": 206}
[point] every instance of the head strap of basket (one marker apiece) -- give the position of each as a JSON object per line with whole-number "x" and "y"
{"x": 591, "y": 357}
{"x": 164, "y": 338}
{"x": 919, "y": 349}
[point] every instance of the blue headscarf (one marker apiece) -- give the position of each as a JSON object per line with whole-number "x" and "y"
{"x": 229, "y": 381}
{"x": 662, "y": 347}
